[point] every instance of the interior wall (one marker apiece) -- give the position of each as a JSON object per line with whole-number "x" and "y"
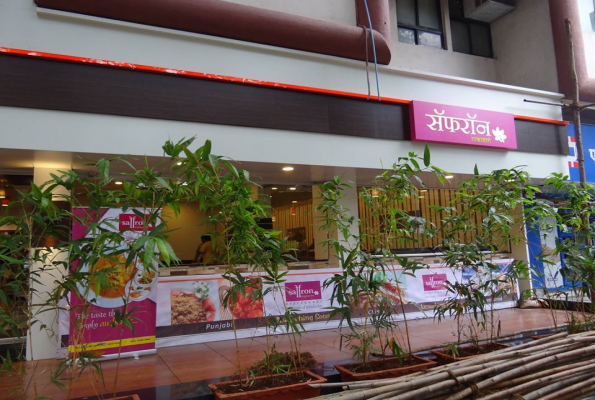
{"x": 187, "y": 228}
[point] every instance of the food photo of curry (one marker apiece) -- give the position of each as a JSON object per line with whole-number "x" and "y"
{"x": 109, "y": 276}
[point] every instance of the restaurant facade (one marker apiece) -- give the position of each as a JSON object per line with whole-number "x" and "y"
{"x": 308, "y": 86}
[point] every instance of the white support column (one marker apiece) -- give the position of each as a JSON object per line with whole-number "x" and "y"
{"x": 43, "y": 338}
{"x": 520, "y": 251}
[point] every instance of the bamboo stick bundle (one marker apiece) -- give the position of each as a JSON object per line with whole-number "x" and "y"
{"x": 523, "y": 379}
{"x": 556, "y": 389}
{"x": 537, "y": 360}
{"x": 560, "y": 365}
{"x": 546, "y": 378}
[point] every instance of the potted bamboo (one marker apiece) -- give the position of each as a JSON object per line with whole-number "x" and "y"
{"x": 224, "y": 192}
{"x": 367, "y": 293}
{"x": 487, "y": 208}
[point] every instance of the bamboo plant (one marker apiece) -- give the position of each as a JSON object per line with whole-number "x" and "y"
{"x": 359, "y": 292}
{"x": 488, "y": 207}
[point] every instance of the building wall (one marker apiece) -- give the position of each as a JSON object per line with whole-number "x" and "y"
{"x": 524, "y": 47}
{"x": 23, "y": 26}
{"x": 423, "y": 59}
{"x": 522, "y": 42}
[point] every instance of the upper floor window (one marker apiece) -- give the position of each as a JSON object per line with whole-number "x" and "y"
{"x": 420, "y": 22}
{"x": 469, "y": 36}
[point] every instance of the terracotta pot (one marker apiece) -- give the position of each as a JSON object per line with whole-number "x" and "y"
{"x": 444, "y": 358}
{"x": 349, "y": 376}
{"x": 296, "y": 391}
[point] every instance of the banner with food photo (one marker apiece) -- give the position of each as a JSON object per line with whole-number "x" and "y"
{"x": 117, "y": 286}
{"x": 498, "y": 275}
{"x": 191, "y": 308}
{"x": 428, "y": 286}
{"x": 194, "y": 305}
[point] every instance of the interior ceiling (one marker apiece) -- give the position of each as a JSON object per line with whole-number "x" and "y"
{"x": 17, "y": 167}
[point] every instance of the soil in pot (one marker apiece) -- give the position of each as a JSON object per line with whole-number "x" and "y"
{"x": 304, "y": 362}
{"x": 444, "y": 356}
{"x": 293, "y": 386}
{"x": 390, "y": 367}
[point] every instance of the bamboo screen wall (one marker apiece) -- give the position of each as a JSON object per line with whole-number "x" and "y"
{"x": 371, "y": 224}
{"x": 285, "y": 222}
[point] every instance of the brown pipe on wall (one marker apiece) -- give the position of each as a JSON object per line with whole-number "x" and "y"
{"x": 379, "y": 14}
{"x": 560, "y": 10}
{"x": 251, "y": 24}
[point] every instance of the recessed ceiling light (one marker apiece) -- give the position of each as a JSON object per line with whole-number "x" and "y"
{"x": 287, "y": 169}
{"x": 179, "y": 163}
{"x": 273, "y": 188}
{"x": 294, "y": 201}
{"x": 118, "y": 182}
{"x": 448, "y": 176}
{"x": 292, "y": 188}
{"x": 185, "y": 184}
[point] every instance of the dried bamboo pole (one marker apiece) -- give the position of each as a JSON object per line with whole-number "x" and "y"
{"x": 524, "y": 369}
{"x": 585, "y": 394}
{"x": 507, "y": 364}
{"x": 541, "y": 381}
{"x": 523, "y": 379}
{"x": 455, "y": 379}
{"x": 554, "y": 390}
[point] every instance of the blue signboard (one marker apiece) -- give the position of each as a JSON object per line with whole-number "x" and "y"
{"x": 549, "y": 275}
{"x": 588, "y": 133}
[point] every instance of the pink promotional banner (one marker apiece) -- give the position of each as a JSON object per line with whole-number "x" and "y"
{"x": 440, "y": 123}
{"x": 132, "y": 290}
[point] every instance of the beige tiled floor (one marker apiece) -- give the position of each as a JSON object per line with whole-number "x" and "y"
{"x": 218, "y": 359}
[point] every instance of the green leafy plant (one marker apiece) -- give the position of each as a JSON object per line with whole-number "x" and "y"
{"x": 362, "y": 296}
{"x": 491, "y": 207}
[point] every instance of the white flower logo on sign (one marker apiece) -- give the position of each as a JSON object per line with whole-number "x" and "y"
{"x": 499, "y": 135}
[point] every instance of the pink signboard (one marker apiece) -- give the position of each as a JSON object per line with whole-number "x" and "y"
{"x": 300, "y": 291}
{"x": 134, "y": 288}
{"x": 431, "y": 122}
{"x": 434, "y": 282}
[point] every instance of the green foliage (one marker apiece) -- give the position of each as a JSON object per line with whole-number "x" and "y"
{"x": 491, "y": 207}
{"x": 361, "y": 291}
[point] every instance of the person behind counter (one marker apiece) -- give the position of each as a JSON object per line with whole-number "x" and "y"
{"x": 204, "y": 252}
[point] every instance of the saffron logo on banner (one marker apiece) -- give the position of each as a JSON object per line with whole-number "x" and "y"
{"x": 132, "y": 222}
{"x": 303, "y": 291}
{"x": 441, "y": 123}
{"x": 434, "y": 282}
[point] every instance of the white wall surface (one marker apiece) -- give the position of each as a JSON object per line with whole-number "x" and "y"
{"x": 340, "y": 11}
{"x": 91, "y": 133}
{"x": 524, "y": 46}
